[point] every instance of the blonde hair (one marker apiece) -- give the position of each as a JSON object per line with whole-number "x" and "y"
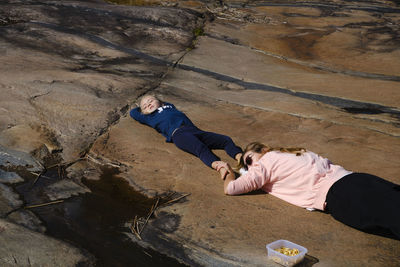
{"x": 258, "y": 147}
{"x": 139, "y": 100}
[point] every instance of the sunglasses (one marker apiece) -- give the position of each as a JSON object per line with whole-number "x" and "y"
{"x": 248, "y": 161}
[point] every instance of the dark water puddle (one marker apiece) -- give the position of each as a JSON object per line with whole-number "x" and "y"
{"x": 95, "y": 221}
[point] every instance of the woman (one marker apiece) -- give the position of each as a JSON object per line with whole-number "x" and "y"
{"x": 305, "y": 179}
{"x": 178, "y": 128}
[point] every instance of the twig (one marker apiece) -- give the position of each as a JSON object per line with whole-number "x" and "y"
{"x": 148, "y": 254}
{"x": 153, "y": 208}
{"x": 135, "y": 232}
{"x": 115, "y": 165}
{"x": 174, "y": 200}
{"x": 41, "y": 165}
{"x": 62, "y": 172}
{"x": 137, "y": 226}
{"x": 170, "y": 195}
{"x": 41, "y": 175}
{"x": 93, "y": 159}
{"x": 43, "y": 204}
{"x": 69, "y": 163}
{"x": 59, "y": 171}
{"x": 37, "y": 178}
{"x": 52, "y": 166}
{"x": 134, "y": 226}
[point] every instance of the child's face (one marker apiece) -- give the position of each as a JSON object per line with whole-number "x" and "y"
{"x": 149, "y": 104}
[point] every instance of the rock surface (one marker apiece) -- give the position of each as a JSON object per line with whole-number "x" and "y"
{"x": 321, "y": 75}
{"x": 10, "y": 177}
{"x": 22, "y": 247}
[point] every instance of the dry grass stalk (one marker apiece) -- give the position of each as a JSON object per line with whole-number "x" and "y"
{"x": 100, "y": 163}
{"x": 174, "y": 200}
{"x": 134, "y": 228}
{"x": 93, "y": 159}
{"x": 153, "y": 208}
{"x": 43, "y": 204}
{"x": 138, "y": 225}
{"x": 41, "y": 175}
{"x": 37, "y": 178}
{"x": 59, "y": 171}
{"x": 66, "y": 164}
{"x": 147, "y": 254}
{"x": 62, "y": 172}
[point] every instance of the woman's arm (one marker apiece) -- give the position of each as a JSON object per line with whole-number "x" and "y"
{"x": 228, "y": 178}
{"x": 256, "y": 178}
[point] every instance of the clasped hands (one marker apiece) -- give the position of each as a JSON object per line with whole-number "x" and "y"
{"x": 219, "y": 165}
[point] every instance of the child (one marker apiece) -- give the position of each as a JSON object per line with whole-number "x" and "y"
{"x": 179, "y": 129}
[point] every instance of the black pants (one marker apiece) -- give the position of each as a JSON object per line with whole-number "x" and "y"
{"x": 366, "y": 202}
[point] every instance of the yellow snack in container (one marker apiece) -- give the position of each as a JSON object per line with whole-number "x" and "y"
{"x": 285, "y": 252}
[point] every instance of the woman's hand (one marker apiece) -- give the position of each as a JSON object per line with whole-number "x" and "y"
{"x": 220, "y": 164}
{"x": 230, "y": 176}
{"x": 222, "y": 167}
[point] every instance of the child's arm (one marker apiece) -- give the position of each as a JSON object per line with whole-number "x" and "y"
{"x": 138, "y": 115}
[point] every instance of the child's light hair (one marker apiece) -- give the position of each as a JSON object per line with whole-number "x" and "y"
{"x": 139, "y": 100}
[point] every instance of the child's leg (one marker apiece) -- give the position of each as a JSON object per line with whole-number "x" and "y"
{"x": 219, "y": 141}
{"x": 186, "y": 140}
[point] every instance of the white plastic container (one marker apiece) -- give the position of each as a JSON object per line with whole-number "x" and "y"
{"x": 282, "y": 258}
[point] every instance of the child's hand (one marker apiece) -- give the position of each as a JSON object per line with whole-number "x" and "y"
{"x": 222, "y": 167}
{"x": 218, "y": 165}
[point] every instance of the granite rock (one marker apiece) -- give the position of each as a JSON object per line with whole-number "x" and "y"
{"x": 324, "y": 76}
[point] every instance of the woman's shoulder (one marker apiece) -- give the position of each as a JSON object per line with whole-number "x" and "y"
{"x": 278, "y": 156}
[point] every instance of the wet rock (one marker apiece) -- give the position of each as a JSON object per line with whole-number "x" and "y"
{"x": 36, "y": 140}
{"x": 319, "y": 75}
{"x": 14, "y": 158}
{"x": 27, "y": 219}
{"x": 64, "y": 189}
{"x": 167, "y": 222}
{"x": 10, "y": 177}
{"x": 9, "y": 200}
{"x": 23, "y": 247}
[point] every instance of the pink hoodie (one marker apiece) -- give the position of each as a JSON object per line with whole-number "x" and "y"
{"x": 301, "y": 180}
